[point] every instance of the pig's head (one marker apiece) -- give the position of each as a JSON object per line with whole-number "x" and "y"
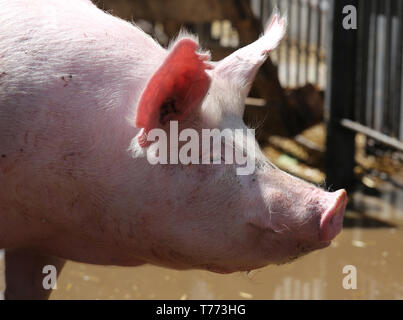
{"x": 206, "y": 215}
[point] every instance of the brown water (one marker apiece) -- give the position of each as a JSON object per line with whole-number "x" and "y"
{"x": 372, "y": 241}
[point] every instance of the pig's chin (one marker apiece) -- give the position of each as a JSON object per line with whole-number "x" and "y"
{"x": 304, "y": 252}
{"x": 294, "y": 252}
{"x": 278, "y": 262}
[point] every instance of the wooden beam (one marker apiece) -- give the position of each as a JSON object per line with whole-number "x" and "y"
{"x": 188, "y": 11}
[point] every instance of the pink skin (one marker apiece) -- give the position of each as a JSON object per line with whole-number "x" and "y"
{"x": 71, "y": 77}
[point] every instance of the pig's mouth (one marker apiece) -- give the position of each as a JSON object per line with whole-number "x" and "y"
{"x": 331, "y": 222}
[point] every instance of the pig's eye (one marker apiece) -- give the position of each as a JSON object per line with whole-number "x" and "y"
{"x": 168, "y": 107}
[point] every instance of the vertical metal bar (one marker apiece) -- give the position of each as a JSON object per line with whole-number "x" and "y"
{"x": 397, "y": 56}
{"x": 288, "y": 45}
{"x": 362, "y": 60}
{"x": 340, "y": 165}
{"x": 281, "y": 55}
{"x": 399, "y": 80}
{"x": 277, "y": 3}
{"x": 329, "y": 49}
{"x": 277, "y": 52}
{"x": 373, "y": 65}
{"x": 318, "y": 41}
{"x": 325, "y": 17}
{"x": 360, "y": 50}
{"x": 386, "y": 105}
{"x": 298, "y": 46}
{"x": 269, "y": 6}
{"x": 262, "y": 16}
{"x": 381, "y": 73}
{"x": 369, "y": 106}
{"x": 308, "y": 39}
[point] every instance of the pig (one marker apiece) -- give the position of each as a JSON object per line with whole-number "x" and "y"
{"x": 80, "y": 91}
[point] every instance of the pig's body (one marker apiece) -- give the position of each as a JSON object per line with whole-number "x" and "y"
{"x": 55, "y": 142}
{"x": 71, "y": 77}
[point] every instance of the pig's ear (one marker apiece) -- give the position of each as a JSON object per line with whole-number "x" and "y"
{"x": 240, "y": 67}
{"x": 177, "y": 87}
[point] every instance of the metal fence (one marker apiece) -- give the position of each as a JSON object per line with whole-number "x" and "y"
{"x": 366, "y": 83}
{"x": 301, "y": 57}
{"x": 378, "y": 66}
{"x": 379, "y": 101}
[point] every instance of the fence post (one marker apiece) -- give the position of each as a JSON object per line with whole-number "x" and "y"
{"x": 340, "y": 99}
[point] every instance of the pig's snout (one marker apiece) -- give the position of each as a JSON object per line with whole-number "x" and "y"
{"x": 331, "y": 221}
